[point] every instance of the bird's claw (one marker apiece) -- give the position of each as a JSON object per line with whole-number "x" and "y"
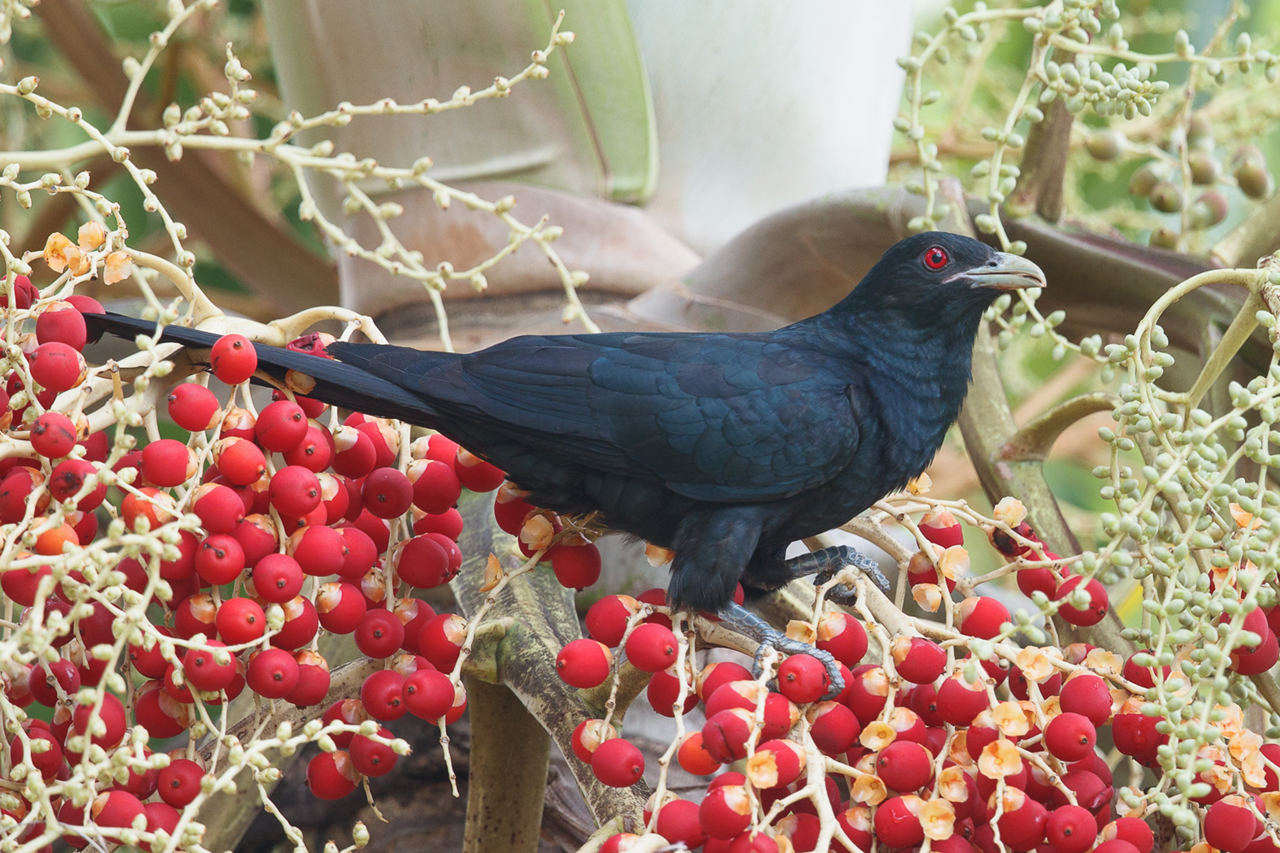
{"x": 845, "y": 593}
{"x": 826, "y": 563}
{"x": 749, "y": 624}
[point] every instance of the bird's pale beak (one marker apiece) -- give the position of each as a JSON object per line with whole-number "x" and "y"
{"x": 1005, "y": 272}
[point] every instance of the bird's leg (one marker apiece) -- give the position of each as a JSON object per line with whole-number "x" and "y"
{"x": 742, "y": 620}
{"x": 826, "y": 562}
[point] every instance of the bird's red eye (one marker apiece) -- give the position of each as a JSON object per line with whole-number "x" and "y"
{"x": 935, "y": 257}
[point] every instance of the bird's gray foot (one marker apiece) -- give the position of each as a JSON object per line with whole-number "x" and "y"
{"x": 749, "y": 624}
{"x": 826, "y": 562}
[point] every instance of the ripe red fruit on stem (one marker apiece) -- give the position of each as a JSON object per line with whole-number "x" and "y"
{"x": 272, "y": 673}
{"x": 332, "y": 775}
{"x": 53, "y": 435}
{"x": 233, "y": 359}
{"x": 651, "y": 647}
{"x": 584, "y": 663}
{"x": 617, "y": 763}
{"x": 1070, "y": 736}
{"x": 280, "y": 426}
{"x": 803, "y": 679}
{"x": 192, "y": 407}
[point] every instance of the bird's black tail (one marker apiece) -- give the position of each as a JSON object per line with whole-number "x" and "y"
{"x": 336, "y": 383}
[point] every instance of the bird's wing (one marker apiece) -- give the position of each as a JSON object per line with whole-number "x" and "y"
{"x": 734, "y": 418}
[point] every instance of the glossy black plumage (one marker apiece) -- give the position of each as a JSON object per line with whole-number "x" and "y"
{"x": 723, "y": 447}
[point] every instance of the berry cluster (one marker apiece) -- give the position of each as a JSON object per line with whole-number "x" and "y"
{"x": 153, "y": 580}
{"x": 927, "y": 743}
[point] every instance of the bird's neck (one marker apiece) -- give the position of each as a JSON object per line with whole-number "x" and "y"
{"x": 917, "y": 370}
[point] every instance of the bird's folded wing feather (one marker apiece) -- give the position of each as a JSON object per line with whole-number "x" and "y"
{"x": 735, "y": 418}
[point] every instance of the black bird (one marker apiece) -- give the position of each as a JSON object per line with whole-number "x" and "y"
{"x": 724, "y": 448}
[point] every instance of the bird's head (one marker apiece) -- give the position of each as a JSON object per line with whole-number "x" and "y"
{"x": 943, "y": 275}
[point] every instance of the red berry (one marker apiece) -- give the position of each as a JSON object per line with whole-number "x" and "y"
{"x": 617, "y": 762}
{"x": 678, "y": 822}
{"x": 383, "y": 695}
{"x": 179, "y": 783}
{"x": 447, "y": 523}
{"x": 1070, "y": 736}
{"x": 373, "y": 757}
{"x": 281, "y": 426}
{"x": 958, "y": 703}
{"x": 803, "y": 679}
{"x": 981, "y": 616}
{"x": 166, "y": 463}
{"x": 354, "y": 453}
{"x": 359, "y": 553}
{"x": 1023, "y": 823}
{"x": 218, "y": 507}
{"x": 778, "y": 762}
{"x": 112, "y": 716}
{"x": 476, "y": 474}
{"x": 428, "y": 694}
{"x": 651, "y": 647}
{"x": 193, "y": 407}
{"x": 65, "y": 482}
{"x": 1093, "y": 612}
{"x": 694, "y": 758}
{"x": 606, "y": 620}
{"x": 1089, "y": 695}
{"x": 341, "y": 607}
{"x": 1070, "y": 829}
{"x": 241, "y": 620}
{"x": 725, "y": 812}
{"x": 115, "y": 808}
{"x": 843, "y": 636}
{"x": 896, "y": 822}
{"x": 833, "y": 727}
{"x": 918, "y": 660}
{"x": 941, "y": 528}
{"x": 277, "y": 578}
{"x": 387, "y": 493}
{"x": 318, "y": 549}
{"x": 53, "y": 435}
{"x": 294, "y": 491}
{"x": 576, "y": 566}
{"x": 314, "y": 452}
{"x": 313, "y": 679}
{"x": 60, "y": 321}
{"x": 201, "y": 669}
{"x": 588, "y": 735}
{"x": 584, "y": 663}
{"x": 435, "y": 485}
{"x": 233, "y": 359}
{"x": 379, "y": 634}
{"x": 239, "y": 460}
{"x": 332, "y": 775}
{"x": 725, "y": 733}
{"x": 1229, "y": 825}
{"x": 56, "y": 366}
{"x": 1142, "y": 675}
{"x": 48, "y": 761}
{"x": 1134, "y": 830}
{"x": 219, "y": 559}
{"x": 904, "y": 766}
{"x": 423, "y": 562}
{"x": 272, "y": 673}
{"x": 43, "y": 681}
{"x": 1254, "y": 660}
{"x": 867, "y": 691}
{"x": 440, "y": 640}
